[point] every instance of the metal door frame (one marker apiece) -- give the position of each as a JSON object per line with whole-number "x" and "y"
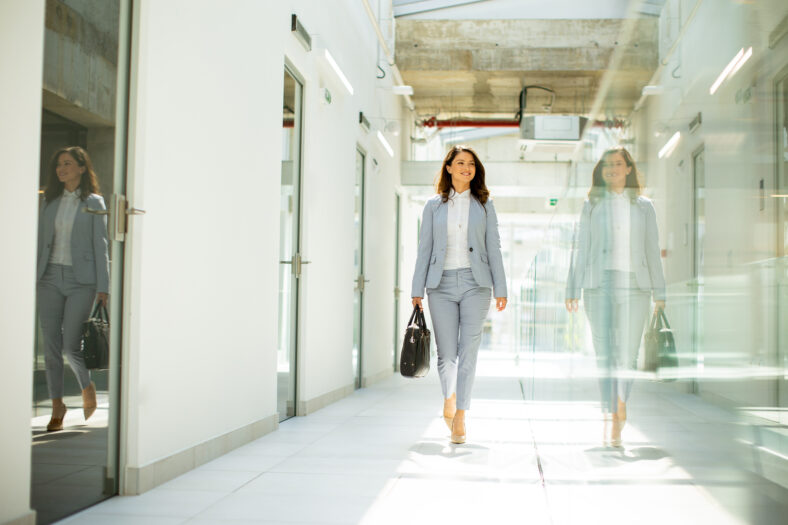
{"x": 358, "y": 381}
{"x": 695, "y": 269}
{"x": 298, "y": 176}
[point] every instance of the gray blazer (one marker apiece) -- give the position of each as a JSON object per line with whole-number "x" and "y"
{"x": 89, "y": 246}
{"x": 484, "y": 245}
{"x": 592, "y": 248}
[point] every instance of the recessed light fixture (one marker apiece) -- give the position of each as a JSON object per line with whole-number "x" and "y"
{"x": 733, "y": 66}
{"x": 402, "y": 90}
{"x": 385, "y": 144}
{"x": 338, "y": 71}
{"x": 669, "y": 146}
{"x": 652, "y": 90}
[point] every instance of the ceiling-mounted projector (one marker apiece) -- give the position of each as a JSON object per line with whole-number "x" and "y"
{"x": 552, "y": 127}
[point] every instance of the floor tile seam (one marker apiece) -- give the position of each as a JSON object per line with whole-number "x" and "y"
{"x": 629, "y": 482}
{"x": 206, "y": 468}
{"x": 240, "y": 452}
{"x": 468, "y": 478}
{"x": 83, "y": 514}
{"x": 543, "y": 486}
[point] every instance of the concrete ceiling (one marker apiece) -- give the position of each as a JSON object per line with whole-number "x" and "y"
{"x": 477, "y": 68}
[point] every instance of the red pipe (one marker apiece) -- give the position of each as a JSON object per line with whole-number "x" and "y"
{"x": 433, "y": 122}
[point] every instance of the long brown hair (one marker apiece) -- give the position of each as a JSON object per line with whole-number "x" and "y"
{"x": 633, "y": 185}
{"x": 87, "y": 185}
{"x": 443, "y": 183}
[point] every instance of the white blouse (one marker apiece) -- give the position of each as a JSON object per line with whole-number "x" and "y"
{"x": 64, "y": 223}
{"x": 457, "y": 245}
{"x": 620, "y": 204}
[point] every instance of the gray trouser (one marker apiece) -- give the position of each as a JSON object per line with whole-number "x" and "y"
{"x": 458, "y": 307}
{"x": 63, "y": 305}
{"x": 617, "y": 312}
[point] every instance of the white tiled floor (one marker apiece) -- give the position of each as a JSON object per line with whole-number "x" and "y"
{"x": 382, "y": 456}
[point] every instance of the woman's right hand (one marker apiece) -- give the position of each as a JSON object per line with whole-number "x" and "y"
{"x": 417, "y": 302}
{"x": 572, "y": 305}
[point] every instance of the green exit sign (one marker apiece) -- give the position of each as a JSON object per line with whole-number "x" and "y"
{"x": 553, "y": 202}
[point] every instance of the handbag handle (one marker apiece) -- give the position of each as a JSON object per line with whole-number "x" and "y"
{"x": 101, "y": 311}
{"x": 664, "y": 318}
{"x": 420, "y": 319}
{"x": 656, "y": 320}
{"x": 414, "y": 315}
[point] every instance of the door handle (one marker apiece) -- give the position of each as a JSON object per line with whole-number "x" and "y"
{"x": 135, "y": 211}
{"x": 95, "y": 212}
{"x": 360, "y": 282}
{"x": 296, "y": 262}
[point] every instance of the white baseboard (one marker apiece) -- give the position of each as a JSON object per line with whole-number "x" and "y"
{"x": 25, "y": 519}
{"x": 316, "y": 403}
{"x": 376, "y": 378}
{"x": 142, "y": 479}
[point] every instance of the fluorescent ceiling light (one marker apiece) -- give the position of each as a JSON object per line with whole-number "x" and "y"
{"x": 652, "y": 90}
{"x": 740, "y": 63}
{"x": 338, "y": 71}
{"x": 385, "y": 144}
{"x": 731, "y": 69}
{"x": 669, "y": 146}
{"x": 402, "y": 90}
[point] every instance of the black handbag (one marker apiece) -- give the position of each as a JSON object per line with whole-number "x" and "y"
{"x": 95, "y": 339}
{"x": 414, "y": 360}
{"x": 659, "y": 344}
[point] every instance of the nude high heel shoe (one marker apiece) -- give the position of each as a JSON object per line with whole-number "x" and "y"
{"x": 615, "y": 432}
{"x": 89, "y": 400}
{"x": 451, "y": 404}
{"x": 458, "y": 432}
{"x": 622, "y": 413}
{"x": 56, "y": 421}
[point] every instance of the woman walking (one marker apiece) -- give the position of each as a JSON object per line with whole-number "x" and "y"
{"x": 616, "y": 263}
{"x": 459, "y": 263}
{"x": 73, "y": 271}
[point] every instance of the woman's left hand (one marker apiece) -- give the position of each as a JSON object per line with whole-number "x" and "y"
{"x": 500, "y": 303}
{"x": 102, "y": 299}
{"x": 659, "y": 305}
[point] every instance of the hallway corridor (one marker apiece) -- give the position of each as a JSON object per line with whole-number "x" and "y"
{"x": 382, "y": 456}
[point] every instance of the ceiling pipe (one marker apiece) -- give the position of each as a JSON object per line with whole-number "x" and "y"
{"x": 433, "y": 122}
{"x": 389, "y": 57}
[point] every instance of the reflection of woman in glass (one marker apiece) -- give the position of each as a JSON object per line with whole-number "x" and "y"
{"x": 616, "y": 262}
{"x": 459, "y": 262}
{"x": 73, "y": 271}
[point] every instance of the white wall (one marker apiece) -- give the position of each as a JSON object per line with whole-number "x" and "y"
{"x": 21, "y": 61}
{"x": 331, "y": 135}
{"x": 206, "y": 153}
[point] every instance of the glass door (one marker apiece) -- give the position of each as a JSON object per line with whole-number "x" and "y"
{"x": 397, "y": 291}
{"x": 75, "y": 457}
{"x": 289, "y": 242}
{"x": 358, "y": 264}
{"x": 698, "y": 238}
{"x": 781, "y": 197}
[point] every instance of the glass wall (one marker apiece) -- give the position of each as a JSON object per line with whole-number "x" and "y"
{"x": 696, "y": 93}
{"x": 75, "y": 404}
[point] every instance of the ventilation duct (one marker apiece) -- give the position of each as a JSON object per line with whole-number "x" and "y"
{"x": 552, "y": 127}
